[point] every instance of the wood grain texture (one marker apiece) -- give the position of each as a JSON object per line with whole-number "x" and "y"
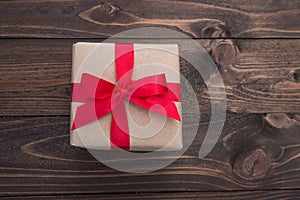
{"x": 261, "y": 76}
{"x": 36, "y": 159}
{"x": 256, "y": 47}
{"x": 101, "y": 19}
{"x": 237, "y": 195}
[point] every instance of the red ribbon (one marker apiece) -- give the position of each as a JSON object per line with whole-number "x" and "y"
{"x": 101, "y": 97}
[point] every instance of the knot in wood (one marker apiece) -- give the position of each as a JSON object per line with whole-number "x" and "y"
{"x": 110, "y": 9}
{"x": 278, "y": 120}
{"x": 297, "y": 75}
{"x": 224, "y": 53}
{"x": 252, "y": 165}
{"x": 215, "y": 31}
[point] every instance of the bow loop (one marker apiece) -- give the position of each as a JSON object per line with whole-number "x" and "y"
{"x": 149, "y": 86}
{"x": 91, "y": 87}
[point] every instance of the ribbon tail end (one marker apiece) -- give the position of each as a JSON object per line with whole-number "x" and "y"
{"x": 73, "y": 127}
{"x": 177, "y": 116}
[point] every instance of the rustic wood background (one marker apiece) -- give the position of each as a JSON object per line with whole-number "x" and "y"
{"x": 256, "y": 45}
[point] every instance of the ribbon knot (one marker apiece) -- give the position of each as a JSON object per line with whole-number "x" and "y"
{"x": 121, "y": 93}
{"x": 101, "y": 97}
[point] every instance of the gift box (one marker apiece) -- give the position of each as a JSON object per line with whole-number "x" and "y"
{"x": 126, "y": 96}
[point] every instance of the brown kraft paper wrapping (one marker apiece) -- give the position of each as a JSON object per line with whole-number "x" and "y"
{"x": 149, "y": 131}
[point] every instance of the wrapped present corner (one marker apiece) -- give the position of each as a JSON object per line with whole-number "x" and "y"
{"x": 126, "y": 96}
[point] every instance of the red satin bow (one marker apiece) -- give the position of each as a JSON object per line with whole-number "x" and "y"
{"x": 101, "y": 97}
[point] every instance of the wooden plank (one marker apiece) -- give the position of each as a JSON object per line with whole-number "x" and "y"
{"x": 261, "y": 76}
{"x": 237, "y": 195}
{"x": 37, "y": 159}
{"x": 100, "y": 19}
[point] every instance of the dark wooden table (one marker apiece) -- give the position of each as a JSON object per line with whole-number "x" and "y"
{"x": 256, "y": 45}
